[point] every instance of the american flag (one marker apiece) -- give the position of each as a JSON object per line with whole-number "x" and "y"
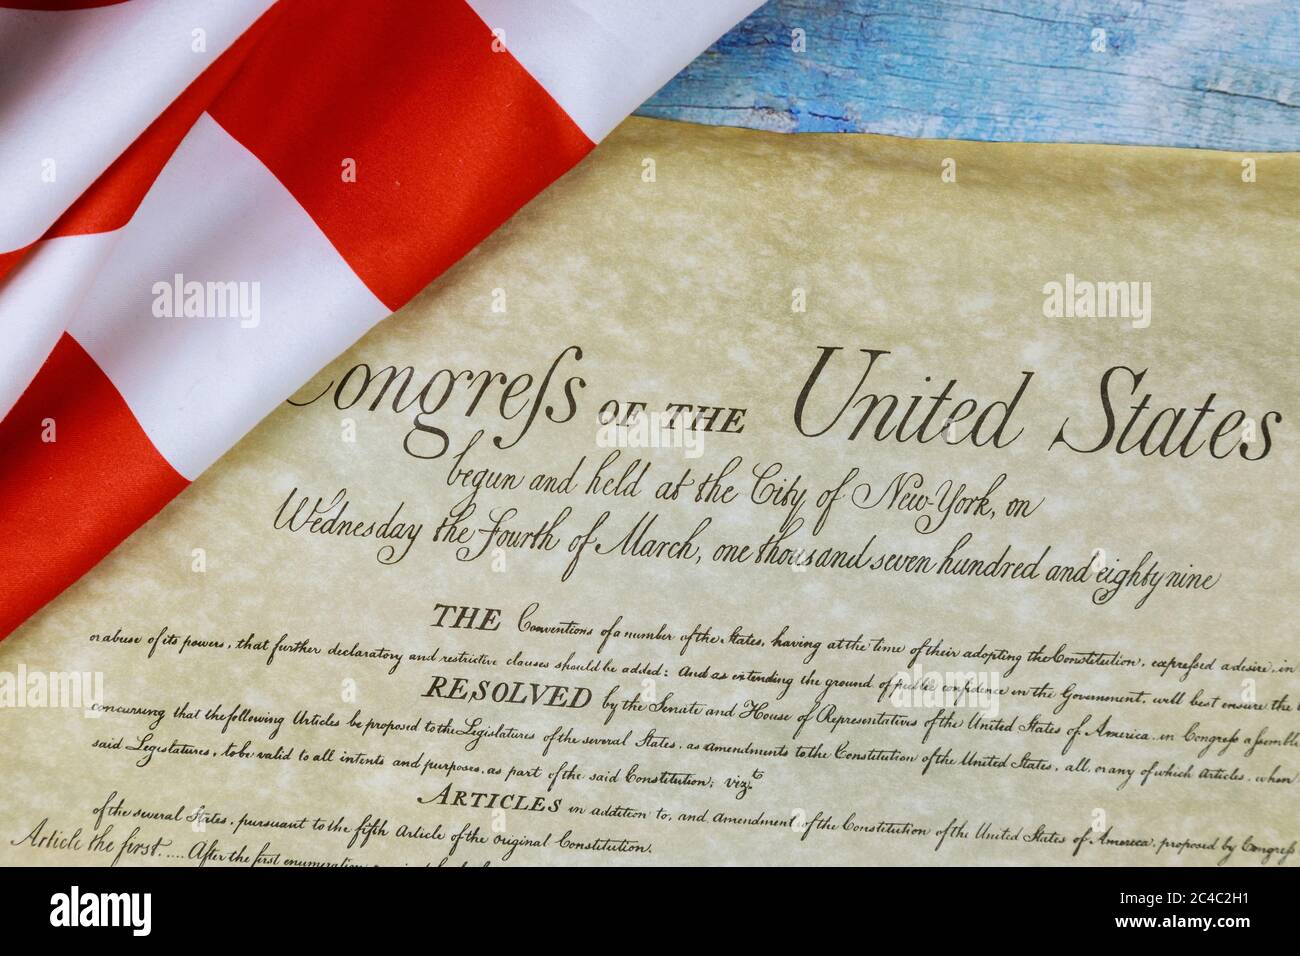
{"x": 203, "y": 202}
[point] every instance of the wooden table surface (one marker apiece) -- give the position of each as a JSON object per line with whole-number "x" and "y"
{"x": 1222, "y": 75}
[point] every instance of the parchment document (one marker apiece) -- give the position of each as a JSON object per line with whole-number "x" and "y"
{"x": 746, "y": 499}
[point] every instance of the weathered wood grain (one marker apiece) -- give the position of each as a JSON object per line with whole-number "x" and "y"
{"x": 1222, "y": 75}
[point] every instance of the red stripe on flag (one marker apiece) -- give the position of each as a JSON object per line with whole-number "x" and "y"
{"x": 66, "y": 503}
{"x": 449, "y": 137}
{"x": 9, "y": 260}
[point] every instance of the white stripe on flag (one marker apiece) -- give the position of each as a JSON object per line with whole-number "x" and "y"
{"x": 38, "y": 297}
{"x": 601, "y": 59}
{"x": 199, "y": 384}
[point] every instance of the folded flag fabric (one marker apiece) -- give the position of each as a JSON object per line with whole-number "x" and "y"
{"x": 203, "y": 202}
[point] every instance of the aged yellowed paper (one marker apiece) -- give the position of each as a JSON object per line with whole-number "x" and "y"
{"x": 745, "y": 499}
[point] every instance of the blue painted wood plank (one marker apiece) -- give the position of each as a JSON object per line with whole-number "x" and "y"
{"x": 1223, "y": 75}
